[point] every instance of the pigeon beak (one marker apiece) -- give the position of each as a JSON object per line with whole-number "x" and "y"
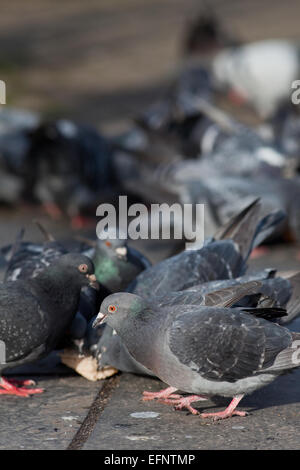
{"x": 121, "y": 252}
{"x": 99, "y": 319}
{"x": 93, "y": 281}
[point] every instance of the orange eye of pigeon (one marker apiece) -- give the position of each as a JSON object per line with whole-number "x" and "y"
{"x": 112, "y": 308}
{"x": 83, "y": 268}
{"x": 108, "y": 244}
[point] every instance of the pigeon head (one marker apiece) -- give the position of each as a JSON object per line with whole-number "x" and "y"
{"x": 114, "y": 242}
{"x": 116, "y": 308}
{"x": 75, "y": 268}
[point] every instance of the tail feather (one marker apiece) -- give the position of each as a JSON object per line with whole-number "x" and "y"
{"x": 13, "y": 250}
{"x": 232, "y": 227}
{"x": 266, "y": 313}
{"x": 293, "y": 305}
{"x": 248, "y": 229}
{"x": 289, "y": 358}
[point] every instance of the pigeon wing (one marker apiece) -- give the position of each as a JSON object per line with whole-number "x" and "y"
{"x": 226, "y": 345}
{"x": 23, "y": 323}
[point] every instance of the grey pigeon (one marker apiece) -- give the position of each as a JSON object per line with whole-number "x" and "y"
{"x": 203, "y": 351}
{"x": 221, "y": 257}
{"x": 257, "y": 290}
{"x": 36, "y": 313}
{"x": 204, "y": 271}
{"x": 26, "y": 260}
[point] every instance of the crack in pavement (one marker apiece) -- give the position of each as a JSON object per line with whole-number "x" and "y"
{"x": 94, "y": 413}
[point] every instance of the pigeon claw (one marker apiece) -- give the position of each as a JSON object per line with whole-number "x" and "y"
{"x": 16, "y": 387}
{"x": 185, "y": 402}
{"x": 223, "y": 414}
{"x": 192, "y": 410}
{"x": 22, "y": 392}
{"x": 161, "y": 395}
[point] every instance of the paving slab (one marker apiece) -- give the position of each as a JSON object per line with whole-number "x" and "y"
{"x": 280, "y": 257}
{"x": 128, "y": 423}
{"x": 50, "y": 420}
{"x": 274, "y": 411}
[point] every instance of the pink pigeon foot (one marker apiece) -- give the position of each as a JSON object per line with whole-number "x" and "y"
{"x": 230, "y": 410}
{"x": 185, "y": 402}
{"x": 161, "y": 395}
{"x": 259, "y": 251}
{"x": 79, "y": 221}
{"x": 52, "y": 210}
{"x": 9, "y": 387}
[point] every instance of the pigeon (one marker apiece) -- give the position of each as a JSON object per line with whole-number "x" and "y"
{"x": 116, "y": 263}
{"x": 223, "y": 141}
{"x": 26, "y": 260}
{"x": 221, "y": 257}
{"x": 14, "y": 143}
{"x": 205, "y": 34}
{"x": 164, "y": 130}
{"x": 247, "y": 71}
{"x": 202, "y": 350}
{"x": 36, "y": 313}
{"x": 256, "y": 290}
{"x": 225, "y": 195}
{"x": 72, "y": 164}
{"x": 214, "y": 269}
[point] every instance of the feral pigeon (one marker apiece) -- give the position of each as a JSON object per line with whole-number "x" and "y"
{"x": 36, "y": 313}
{"x": 221, "y": 257}
{"x": 257, "y": 290}
{"x": 214, "y": 269}
{"x": 72, "y": 164}
{"x": 248, "y": 70}
{"x": 26, "y": 260}
{"x": 203, "y": 351}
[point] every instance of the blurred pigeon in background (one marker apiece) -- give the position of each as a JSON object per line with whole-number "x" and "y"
{"x": 71, "y": 162}
{"x": 248, "y": 70}
{"x": 15, "y": 124}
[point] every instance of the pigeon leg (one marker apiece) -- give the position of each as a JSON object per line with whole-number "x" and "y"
{"x": 230, "y": 410}
{"x": 9, "y": 387}
{"x": 259, "y": 251}
{"x": 162, "y": 394}
{"x": 52, "y": 210}
{"x": 79, "y": 221}
{"x": 185, "y": 402}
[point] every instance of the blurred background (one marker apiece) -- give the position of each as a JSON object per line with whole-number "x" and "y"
{"x": 102, "y": 64}
{"x": 104, "y": 61}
